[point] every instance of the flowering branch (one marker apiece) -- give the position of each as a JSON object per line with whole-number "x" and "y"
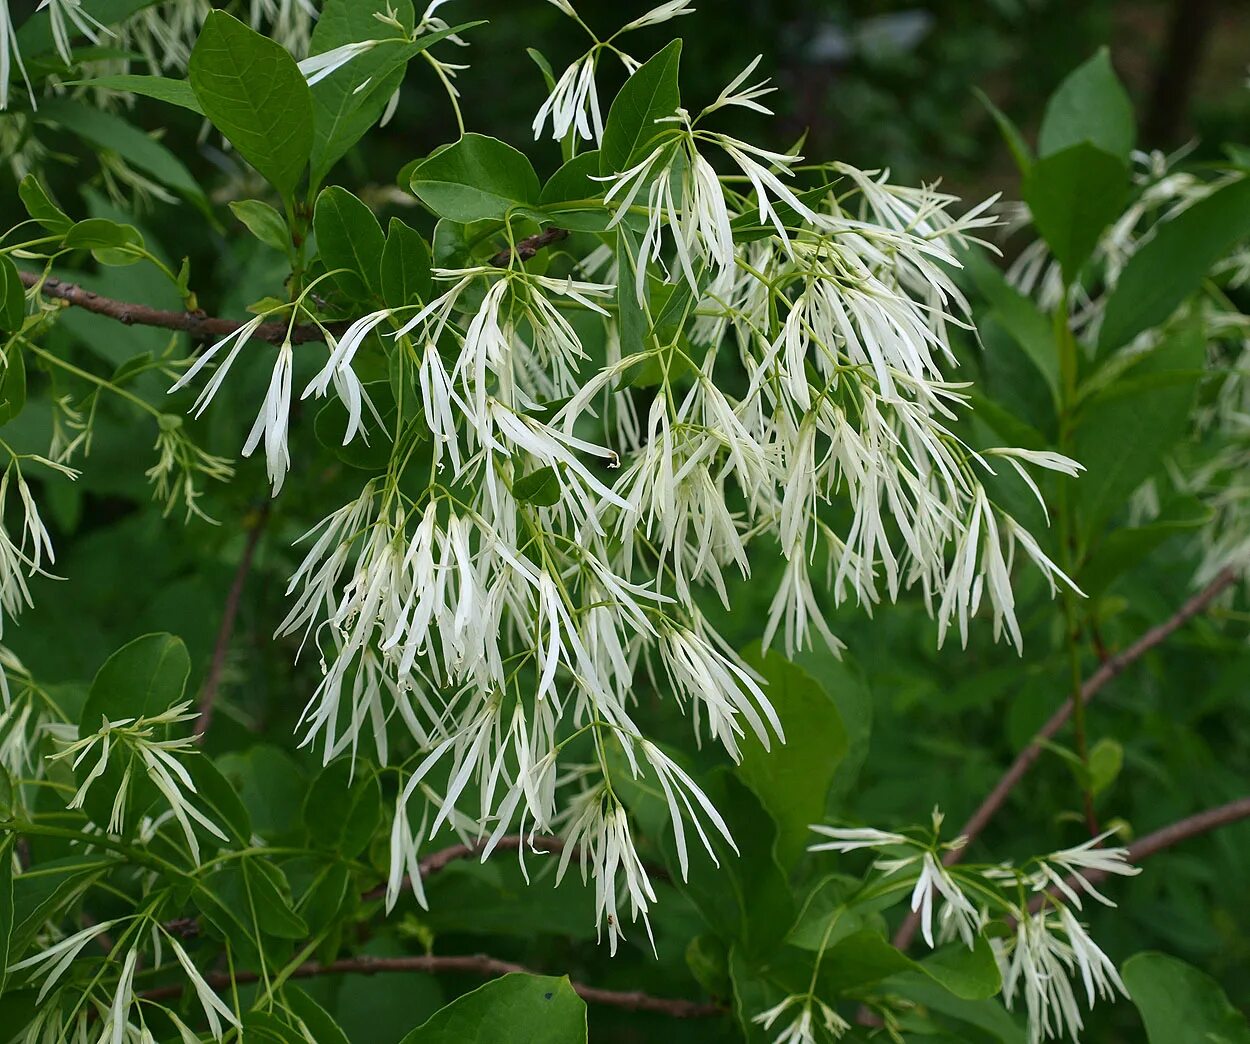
{"x": 1110, "y": 668}
{"x": 197, "y": 324}
{"x": 1166, "y": 837}
{"x": 207, "y": 327}
{"x": 208, "y": 694}
{"x": 478, "y": 964}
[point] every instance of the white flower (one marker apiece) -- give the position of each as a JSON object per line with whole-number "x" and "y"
{"x": 318, "y": 66}
{"x": 663, "y": 13}
{"x": 237, "y": 339}
{"x": 1072, "y": 862}
{"x": 802, "y": 1030}
{"x": 573, "y": 103}
{"x": 598, "y": 833}
{"x": 746, "y": 97}
{"x": 957, "y": 912}
{"x": 273, "y": 419}
{"x": 58, "y": 957}
{"x": 848, "y": 839}
{"x": 213, "y": 1007}
{"x": 678, "y": 786}
{"x": 82, "y": 21}
{"x": 718, "y": 685}
{"x": 10, "y": 55}
{"x": 135, "y": 738}
{"x": 1038, "y": 963}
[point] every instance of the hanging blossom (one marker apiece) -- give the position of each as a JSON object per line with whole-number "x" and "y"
{"x": 573, "y": 104}
{"x": 1050, "y": 957}
{"x": 556, "y": 501}
{"x": 134, "y": 743}
{"x": 10, "y": 55}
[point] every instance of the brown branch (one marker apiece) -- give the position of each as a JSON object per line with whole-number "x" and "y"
{"x": 208, "y": 693}
{"x": 1166, "y": 837}
{"x": 197, "y": 324}
{"x": 207, "y": 327}
{"x": 530, "y": 246}
{"x": 437, "y": 861}
{"x": 474, "y": 964}
{"x": 1111, "y": 668}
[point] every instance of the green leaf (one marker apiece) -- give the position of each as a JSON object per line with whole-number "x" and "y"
{"x": 350, "y": 100}
{"x": 1016, "y": 144}
{"x": 342, "y": 813}
{"x": 521, "y": 1009}
{"x": 1018, "y": 316}
{"x": 475, "y": 179}
{"x": 109, "y": 131}
{"x": 404, "y": 271}
{"x": 792, "y": 780}
{"x": 39, "y": 206}
{"x": 1180, "y": 1004}
{"x": 265, "y": 223}
{"x": 220, "y": 800}
{"x": 1173, "y": 264}
{"x": 6, "y": 905}
{"x": 1073, "y": 195}
{"x": 1126, "y": 430}
{"x": 266, "y": 895}
{"x": 747, "y": 900}
{"x": 110, "y": 242}
{"x": 339, "y": 97}
{"x": 331, "y": 422}
{"x": 12, "y": 297}
{"x": 1106, "y": 758}
{"x": 162, "y": 88}
{"x": 8, "y": 804}
{"x": 570, "y": 196}
{"x": 348, "y": 237}
{"x": 253, "y": 92}
{"x": 987, "y": 1015}
{"x": 540, "y": 487}
{"x": 1092, "y": 106}
{"x": 271, "y": 787}
{"x": 316, "y": 1020}
{"x": 1127, "y": 546}
{"x": 143, "y": 678}
{"x": 865, "y": 957}
{"x": 650, "y": 94}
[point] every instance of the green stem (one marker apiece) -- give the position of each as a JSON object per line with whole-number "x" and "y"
{"x": 1065, "y": 343}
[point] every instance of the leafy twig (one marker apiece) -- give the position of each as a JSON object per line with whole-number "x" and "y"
{"x": 1110, "y": 669}
{"x": 207, "y": 327}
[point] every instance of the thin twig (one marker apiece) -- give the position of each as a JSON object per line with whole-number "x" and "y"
{"x": 475, "y": 964}
{"x": 1111, "y": 668}
{"x": 530, "y": 246}
{"x": 437, "y": 861}
{"x": 208, "y": 693}
{"x": 207, "y": 327}
{"x": 1172, "y": 834}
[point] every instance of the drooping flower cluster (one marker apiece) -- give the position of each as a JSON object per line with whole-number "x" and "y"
{"x": 1049, "y": 958}
{"x": 566, "y": 480}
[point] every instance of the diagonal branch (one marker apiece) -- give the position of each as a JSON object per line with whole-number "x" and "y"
{"x": 208, "y": 693}
{"x": 1109, "y": 669}
{"x": 475, "y": 964}
{"x": 207, "y": 327}
{"x": 1166, "y": 837}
